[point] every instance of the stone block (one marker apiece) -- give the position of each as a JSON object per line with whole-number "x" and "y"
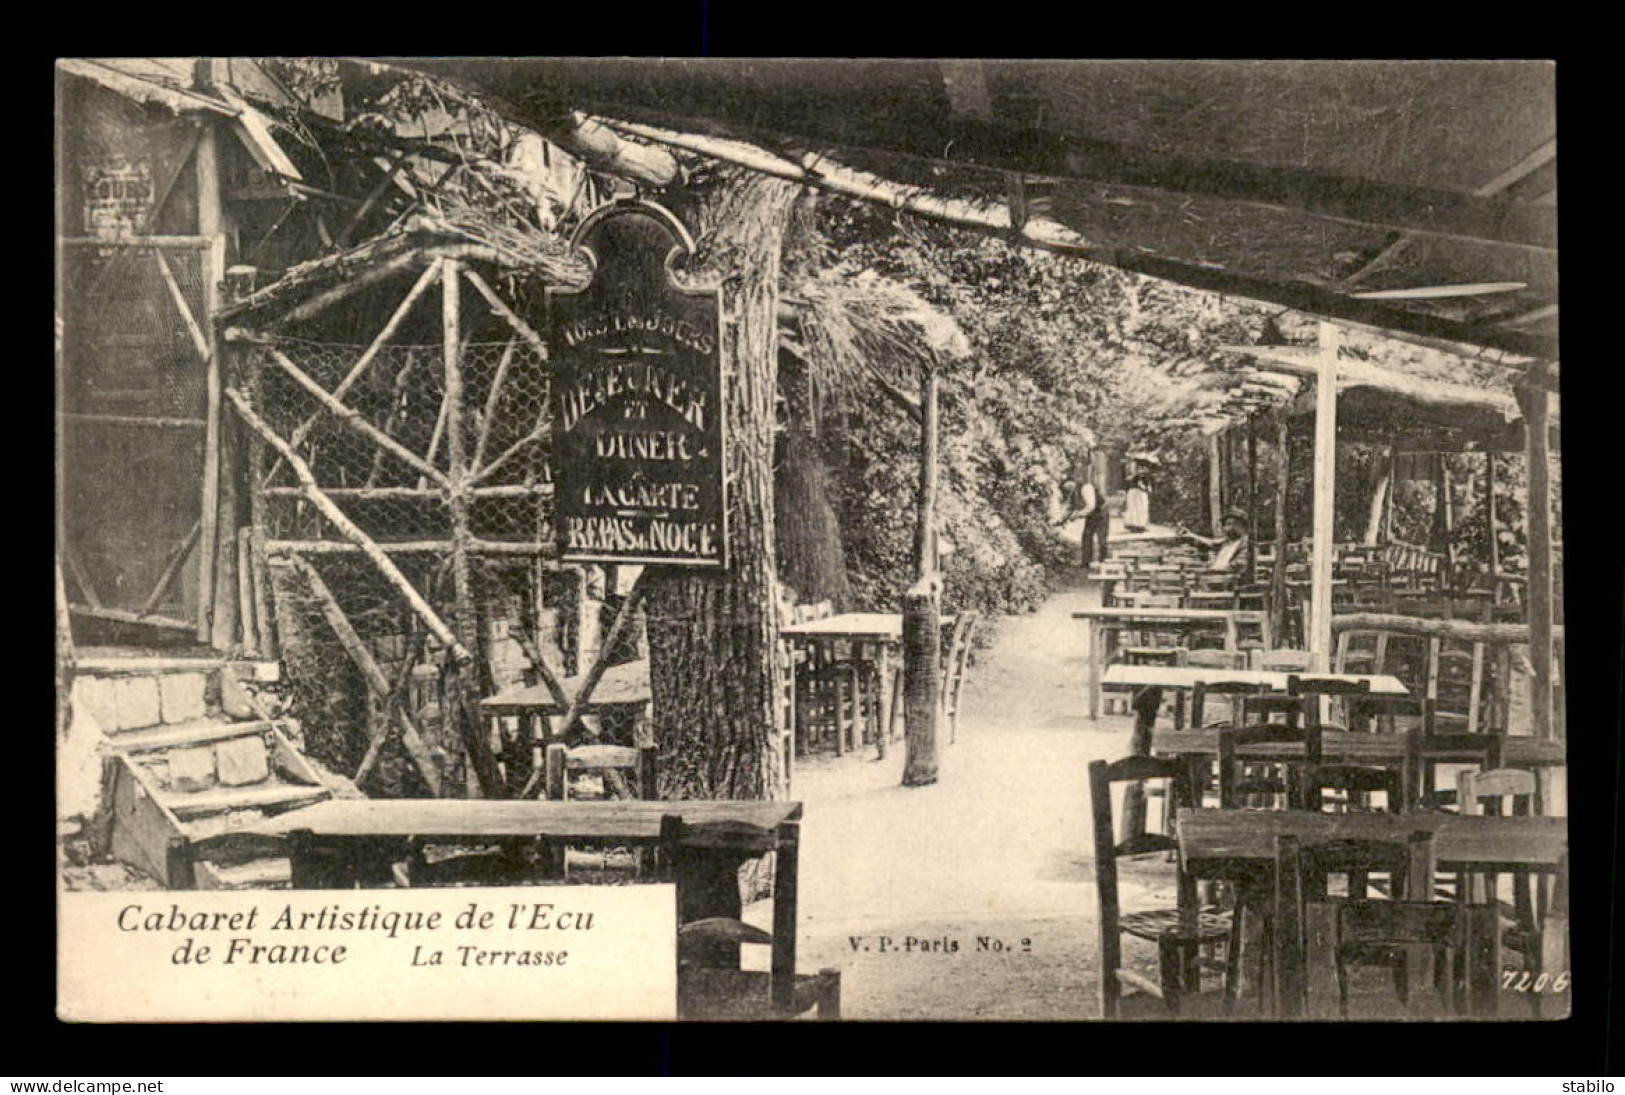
{"x": 241, "y": 761}
{"x": 97, "y": 697}
{"x": 136, "y": 703}
{"x": 234, "y": 698}
{"x": 183, "y": 696}
{"x": 191, "y": 769}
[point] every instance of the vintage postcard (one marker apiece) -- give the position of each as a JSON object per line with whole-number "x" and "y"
{"x": 833, "y": 540}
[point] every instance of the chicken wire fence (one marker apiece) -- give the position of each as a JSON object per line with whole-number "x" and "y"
{"x": 132, "y": 389}
{"x": 503, "y": 415}
{"x": 503, "y": 418}
{"x": 330, "y": 696}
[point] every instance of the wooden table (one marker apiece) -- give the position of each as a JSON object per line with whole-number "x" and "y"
{"x": 873, "y": 635}
{"x": 623, "y": 689}
{"x": 1148, "y": 682}
{"x": 345, "y": 843}
{"x": 621, "y": 686}
{"x": 1234, "y": 844}
{"x": 1104, "y": 621}
{"x": 1352, "y": 747}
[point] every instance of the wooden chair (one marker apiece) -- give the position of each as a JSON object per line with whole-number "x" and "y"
{"x": 704, "y": 861}
{"x": 1202, "y": 691}
{"x": 1360, "y": 932}
{"x": 1179, "y": 932}
{"x": 1426, "y": 748}
{"x": 1456, "y": 683}
{"x": 1283, "y": 779}
{"x": 616, "y": 763}
{"x": 626, "y": 772}
{"x": 1505, "y": 792}
{"x": 955, "y": 660}
{"x": 1356, "y": 715}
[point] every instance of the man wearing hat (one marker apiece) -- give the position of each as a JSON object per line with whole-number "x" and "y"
{"x": 1232, "y": 546}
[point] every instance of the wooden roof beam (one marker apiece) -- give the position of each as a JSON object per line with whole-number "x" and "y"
{"x": 1001, "y": 147}
{"x": 1451, "y": 336}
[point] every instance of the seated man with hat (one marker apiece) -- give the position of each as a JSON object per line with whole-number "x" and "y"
{"x": 1232, "y": 546}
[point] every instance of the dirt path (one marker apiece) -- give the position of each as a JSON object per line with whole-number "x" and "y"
{"x": 993, "y": 860}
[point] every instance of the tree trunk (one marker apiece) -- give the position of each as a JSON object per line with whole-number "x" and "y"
{"x": 712, "y": 672}
{"x": 1379, "y": 502}
{"x": 812, "y": 557}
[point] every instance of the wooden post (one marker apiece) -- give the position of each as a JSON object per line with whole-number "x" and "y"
{"x": 1215, "y": 487}
{"x": 922, "y": 610}
{"x": 1320, "y": 612}
{"x": 464, "y": 621}
{"x": 922, "y": 685}
{"x": 207, "y": 165}
{"x": 1393, "y": 488}
{"x": 1252, "y": 499}
{"x": 1537, "y": 441}
{"x": 1490, "y": 525}
{"x": 1278, "y": 605}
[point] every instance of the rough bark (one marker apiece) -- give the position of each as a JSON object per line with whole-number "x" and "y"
{"x": 712, "y": 672}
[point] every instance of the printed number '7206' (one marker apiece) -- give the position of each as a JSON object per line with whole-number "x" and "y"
{"x": 1525, "y": 981}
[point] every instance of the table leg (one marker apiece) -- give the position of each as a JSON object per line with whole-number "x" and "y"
{"x": 888, "y": 690}
{"x": 1146, "y": 703}
{"x": 1289, "y": 932}
{"x": 1483, "y": 960}
{"x": 1096, "y": 654}
{"x": 318, "y": 865}
{"x": 1320, "y": 981}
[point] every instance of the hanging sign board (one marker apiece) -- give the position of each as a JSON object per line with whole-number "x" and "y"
{"x": 637, "y": 400}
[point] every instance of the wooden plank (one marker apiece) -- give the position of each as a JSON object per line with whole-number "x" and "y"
{"x": 407, "y": 547}
{"x": 1215, "y": 486}
{"x": 142, "y": 828}
{"x": 1465, "y": 630}
{"x": 223, "y": 619}
{"x": 1278, "y": 606}
{"x": 240, "y": 798}
{"x": 168, "y": 623}
{"x": 193, "y": 733}
{"x": 459, "y": 700}
{"x": 1536, "y": 405}
{"x": 630, "y": 819}
{"x": 210, "y": 227}
{"x": 1122, "y": 677}
{"x": 134, "y": 421}
{"x": 1249, "y": 835}
{"x": 1325, "y": 499}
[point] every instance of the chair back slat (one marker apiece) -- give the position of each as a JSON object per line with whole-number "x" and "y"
{"x": 1233, "y": 784}
{"x": 1203, "y": 689}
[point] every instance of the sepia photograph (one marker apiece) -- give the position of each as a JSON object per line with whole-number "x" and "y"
{"x": 824, "y": 540}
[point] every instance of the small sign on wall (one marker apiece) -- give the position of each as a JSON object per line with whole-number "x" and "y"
{"x": 118, "y": 197}
{"x": 638, "y": 439}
